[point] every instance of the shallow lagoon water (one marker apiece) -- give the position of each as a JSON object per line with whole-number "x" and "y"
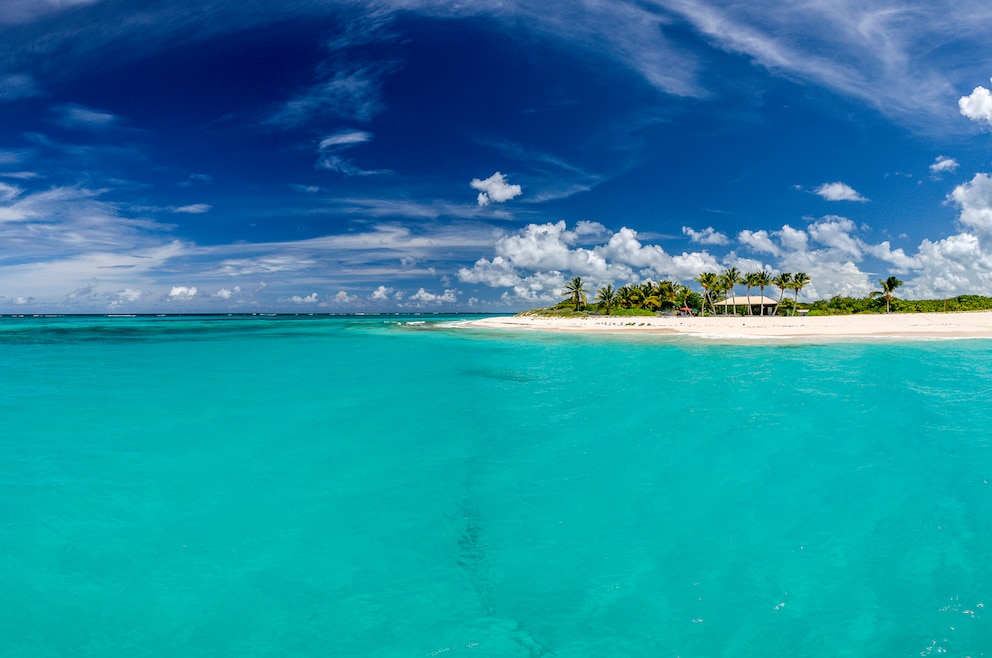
{"x": 375, "y": 486}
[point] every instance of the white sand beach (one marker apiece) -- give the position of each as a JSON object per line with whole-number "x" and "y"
{"x": 897, "y": 325}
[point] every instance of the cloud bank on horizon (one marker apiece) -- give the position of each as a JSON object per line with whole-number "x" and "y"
{"x": 337, "y": 156}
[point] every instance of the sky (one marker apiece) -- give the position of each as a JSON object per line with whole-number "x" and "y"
{"x": 347, "y": 156}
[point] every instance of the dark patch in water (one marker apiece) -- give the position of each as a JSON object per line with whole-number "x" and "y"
{"x": 140, "y": 329}
{"x": 535, "y": 648}
{"x": 472, "y": 556}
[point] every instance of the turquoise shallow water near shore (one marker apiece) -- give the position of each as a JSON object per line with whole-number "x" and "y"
{"x": 376, "y": 487}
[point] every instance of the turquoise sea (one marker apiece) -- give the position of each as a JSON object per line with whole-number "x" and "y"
{"x": 398, "y": 486}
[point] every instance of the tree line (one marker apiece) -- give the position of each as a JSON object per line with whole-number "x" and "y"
{"x": 651, "y": 297}
{"x": 663, "y": 295}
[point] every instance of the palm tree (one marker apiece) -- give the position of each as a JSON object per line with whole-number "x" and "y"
{"x": 680, "y": 294}
{"x": 666, "y": 292}
{"x": 799, "y": 281}
{"x": 606, "y": 296}
{"x": 888, "y": 287}
{"x": 763, "y": 279}
{"x": 708, "y": 282}
{"x": 575, "y": 290}
{"x": 751, "y": 280}
{"x": 625, "y": 297}
{"x": 783, "y": 282}
{"x": 731, "y": 277}
{"x": 649, "y": 299}
{"x": 720, "y": 288}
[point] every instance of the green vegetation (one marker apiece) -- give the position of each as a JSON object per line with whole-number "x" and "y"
{"x": 728, "y": 281}
{"x": 624, "y": 312}
{"x": 763, "y": 279}
{"x": 606, "y": 297}
{"x": 575, "y": 291}
{"x": 783, "y": 282}
{"x": 874, "y": 304}
{"x": 888, "y": 286}
{"x": 799, "y": 281}
{"x": 710, "y": 284}
{"x": 671, "y": 297}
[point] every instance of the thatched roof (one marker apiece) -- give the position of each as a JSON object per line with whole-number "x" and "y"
{"x": 745, "y": 300}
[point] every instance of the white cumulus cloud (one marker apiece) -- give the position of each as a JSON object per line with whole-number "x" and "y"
{"x": 182, "y": 292}
{"x": 129, "y": 295}
{"x": 381, "y": 294}
{"x": 532, "y": 261}
{"x": 708, "y": 235}
{"x": 837, "y": 233}
{"x": 977, "y": 105}
{"x": 974, "y": 198}
{"x": 425, "y": 297}
{"x": 839, "y": 192}
{"x": 943, "y": 165}
{"x": 125, "y": 296}
{"x": 759, "y": 241}
{"x": 495, "y": 189}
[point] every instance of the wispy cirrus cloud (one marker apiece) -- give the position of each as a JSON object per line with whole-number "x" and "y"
{"x": 331, "y": 153}
{"x": 23, "y": 11}
{"x": 880, "y": 54}
{"x": 353, "y": 95}
{"x": 51, "y": 276}
{"x": 15, "y": 86}
{"x": 405, "y": 208}
{"x": 193, "y": 209}
{"x": 73, "y": 115}
{"x": 9, "y": 192}
{"x": 70, "y": 220}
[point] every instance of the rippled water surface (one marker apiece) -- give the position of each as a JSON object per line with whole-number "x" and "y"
{"x": 390, "y": 486}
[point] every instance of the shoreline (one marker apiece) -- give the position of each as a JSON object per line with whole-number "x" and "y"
{"x": 976, "y": 324}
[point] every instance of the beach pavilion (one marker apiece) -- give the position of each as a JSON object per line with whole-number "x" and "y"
{"x": 756, "y": 302}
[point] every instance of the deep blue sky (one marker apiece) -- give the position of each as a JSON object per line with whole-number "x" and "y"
{"x": 459, "y": 155}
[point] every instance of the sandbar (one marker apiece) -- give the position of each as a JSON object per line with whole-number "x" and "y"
{"x": 976, "y": 324}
